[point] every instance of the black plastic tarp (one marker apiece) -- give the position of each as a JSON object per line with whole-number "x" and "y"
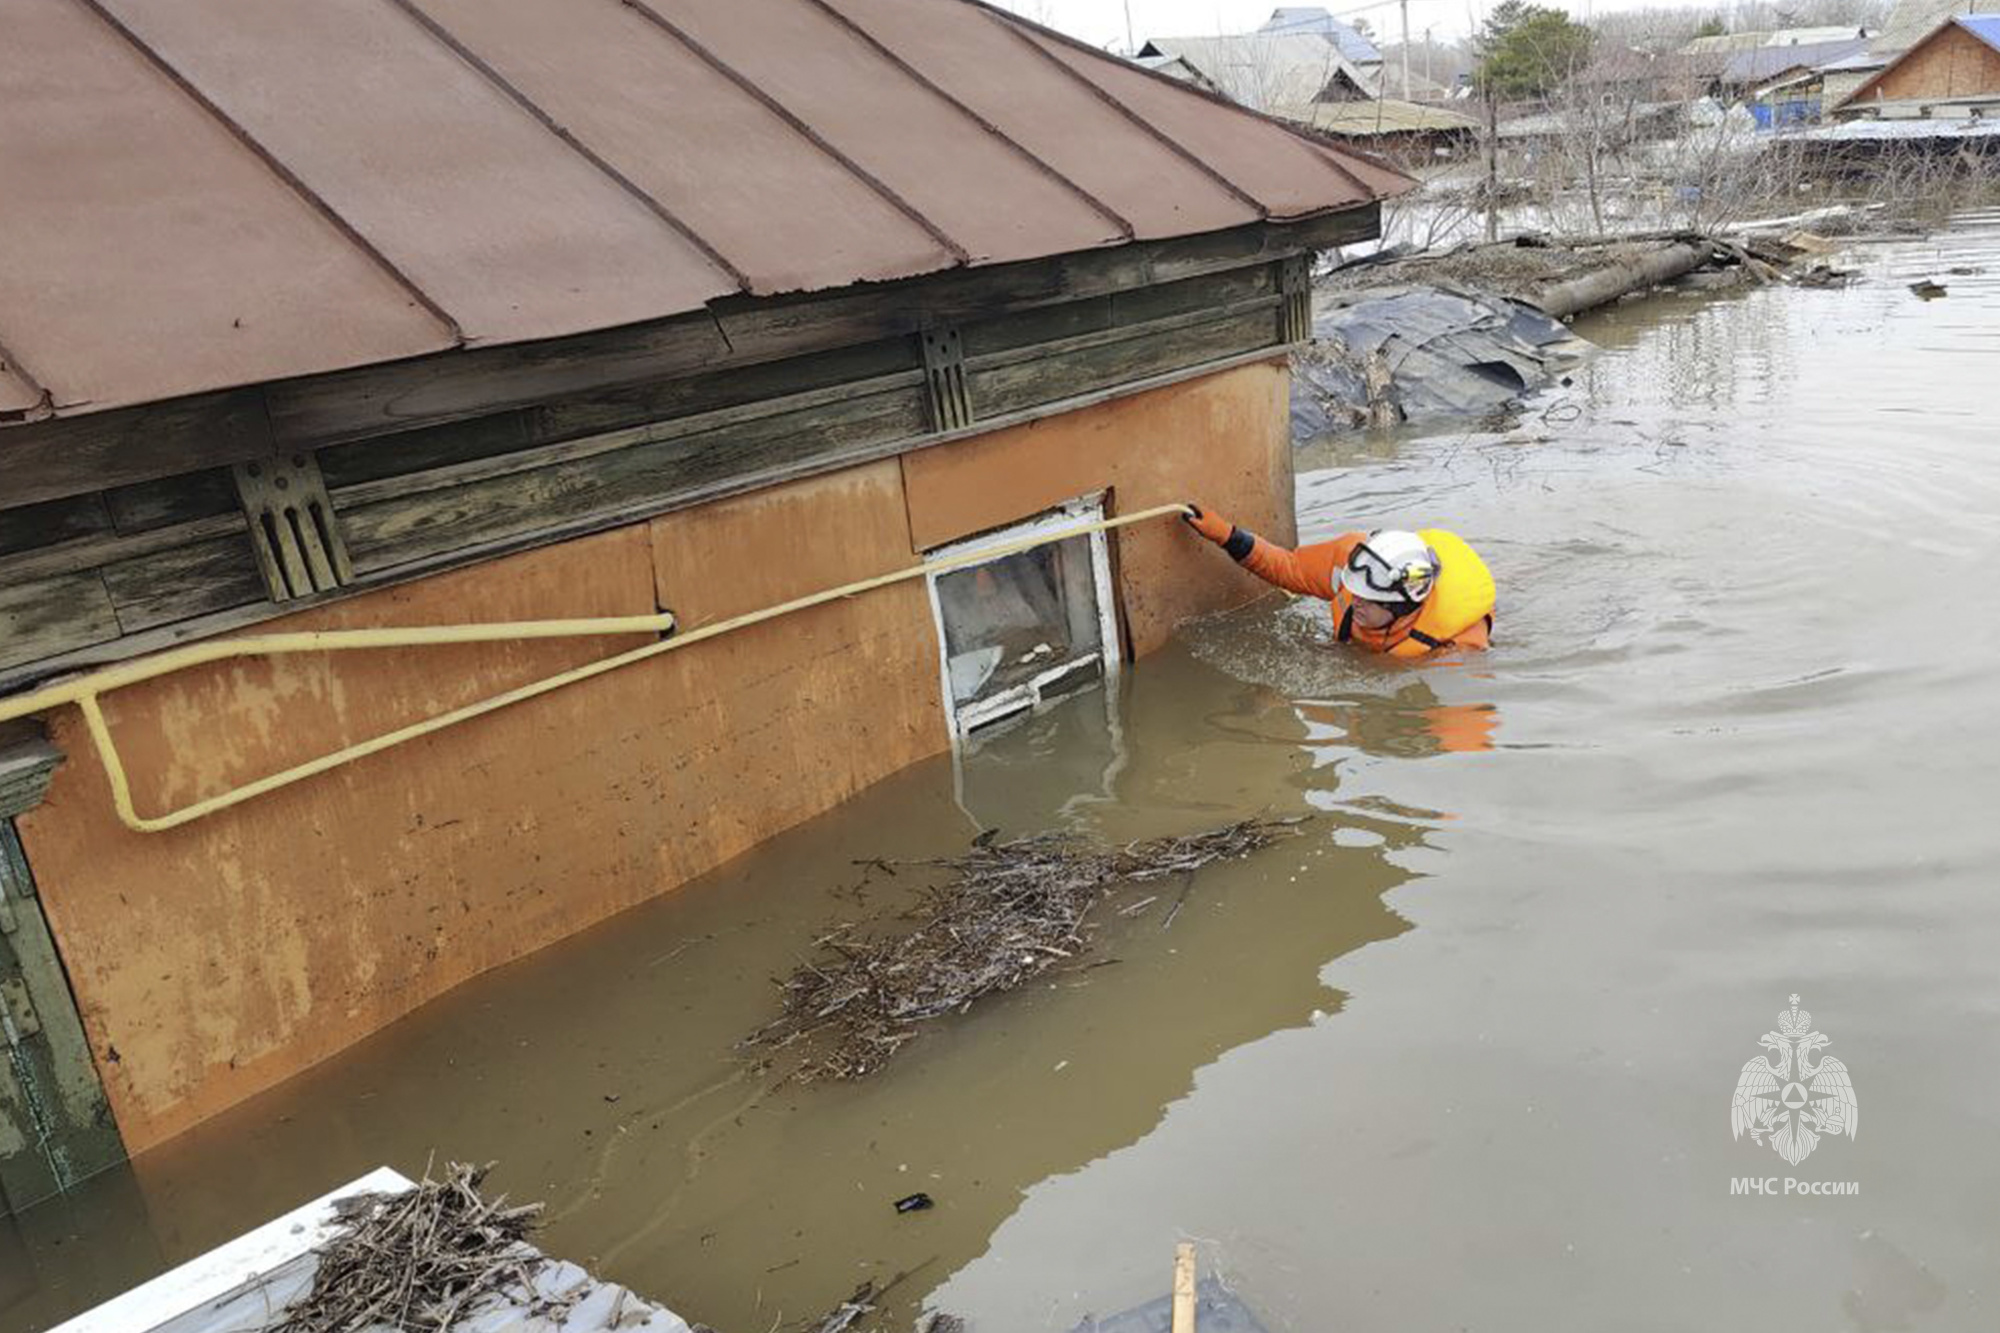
{"x": 1406, "y": 353}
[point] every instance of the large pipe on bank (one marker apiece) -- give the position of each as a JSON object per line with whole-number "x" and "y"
{"x": 1563, "y": 299}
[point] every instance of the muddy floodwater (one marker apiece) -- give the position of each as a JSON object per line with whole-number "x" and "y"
{"x": 1461, "y": 1056}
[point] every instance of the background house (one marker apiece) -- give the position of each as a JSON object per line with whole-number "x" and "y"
{"x": 1908, "y": 23}
{"x": 1405, "y": 131}
{"x": 1301, "y": 56}
{"x": 1317, "y": 21}
{"x": 1952, "y": 73}
{"x": 1309, "y": 80}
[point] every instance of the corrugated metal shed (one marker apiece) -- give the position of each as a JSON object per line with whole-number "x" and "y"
{"x": 1386, "y": 116}
{"x": 203, "y": 193}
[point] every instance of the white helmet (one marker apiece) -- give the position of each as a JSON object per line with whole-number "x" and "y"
{"x": 1390, "y": 566}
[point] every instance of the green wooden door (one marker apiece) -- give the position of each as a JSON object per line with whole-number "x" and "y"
{"x": 55, "y": 1128}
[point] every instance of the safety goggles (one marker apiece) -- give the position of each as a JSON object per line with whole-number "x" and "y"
{"x": 1388, "y": 583}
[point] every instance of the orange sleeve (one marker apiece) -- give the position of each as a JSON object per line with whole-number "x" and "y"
{"x": 1310, "y": 571}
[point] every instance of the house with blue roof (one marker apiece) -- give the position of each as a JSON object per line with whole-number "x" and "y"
{"x": 1317, "y": 22}
{"x": 1952, "y": 73}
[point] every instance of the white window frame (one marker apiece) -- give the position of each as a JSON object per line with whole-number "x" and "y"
{"x": 1033, "y": 693}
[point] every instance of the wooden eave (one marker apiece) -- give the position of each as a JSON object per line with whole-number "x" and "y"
{"x": 122, "y": 532}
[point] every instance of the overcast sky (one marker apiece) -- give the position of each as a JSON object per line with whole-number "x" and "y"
{"x": 1102, "y": 22}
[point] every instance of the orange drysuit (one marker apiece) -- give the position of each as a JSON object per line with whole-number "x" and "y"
{"x": 1314, "y": 571}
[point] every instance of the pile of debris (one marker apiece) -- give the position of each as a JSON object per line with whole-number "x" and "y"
{"x": 421, "y": 1260}
{"x": 1004, "y": 913}
{"x": 1464, "y": 332}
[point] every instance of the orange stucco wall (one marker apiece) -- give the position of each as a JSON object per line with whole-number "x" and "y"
{"x": 1222, "y": 442}
{"x": 214, "y": 960}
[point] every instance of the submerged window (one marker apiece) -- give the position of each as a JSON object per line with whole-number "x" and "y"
{"x": 1029, "y": 626}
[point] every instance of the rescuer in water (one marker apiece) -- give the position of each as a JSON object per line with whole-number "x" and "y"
{"x": 1408, "y": 594}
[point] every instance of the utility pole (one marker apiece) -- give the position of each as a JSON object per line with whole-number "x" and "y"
{"x": 1406, "y": 49}
{"x": 1428, "y": 77}
{"x": 1492, "y": 163}
{"x": 1131, "y": 47}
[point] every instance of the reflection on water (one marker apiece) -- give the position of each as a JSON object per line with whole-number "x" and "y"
{"x": 1729, "y": 745}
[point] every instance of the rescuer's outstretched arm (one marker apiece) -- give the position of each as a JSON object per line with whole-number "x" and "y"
{"x": 1309, "y": 571}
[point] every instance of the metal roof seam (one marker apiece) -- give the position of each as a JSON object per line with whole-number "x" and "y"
{"x": 1327, "y": 153}
{"x": 277, "y": 168}
{"x": 1333, "y": 155}
{"x": 541, "y": 117}
{"x": 799, "y": 126}
{"x": 1103, "y": 94}
{"x": 924, "y": 81}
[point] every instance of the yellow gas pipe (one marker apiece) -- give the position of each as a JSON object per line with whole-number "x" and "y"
{"x": 85, "y": 691}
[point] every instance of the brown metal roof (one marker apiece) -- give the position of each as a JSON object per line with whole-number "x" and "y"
{"x": 145, "y": 252}
{"x": 203, "y": 193}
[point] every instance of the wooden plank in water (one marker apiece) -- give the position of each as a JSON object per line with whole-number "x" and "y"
{"x": 1184, "y": 1287}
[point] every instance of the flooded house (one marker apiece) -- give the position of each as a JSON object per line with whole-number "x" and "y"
{"x": 388, "y": 393}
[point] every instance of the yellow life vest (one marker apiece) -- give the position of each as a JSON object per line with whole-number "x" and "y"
{"x": 1462, "y": 596}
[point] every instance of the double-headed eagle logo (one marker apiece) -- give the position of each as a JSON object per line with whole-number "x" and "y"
{"x": 1789, "y": 1098}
